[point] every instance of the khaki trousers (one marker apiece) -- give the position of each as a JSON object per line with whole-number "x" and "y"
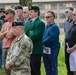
{"x": 20, "y": 72}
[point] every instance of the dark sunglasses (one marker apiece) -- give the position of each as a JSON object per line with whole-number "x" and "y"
{"x": 66, "y": 12}
{"x": 2, "y": 11}
{"x": 74, "y": 14}
{"x": 24, "y": 12}
{"x": 48, "y": 16}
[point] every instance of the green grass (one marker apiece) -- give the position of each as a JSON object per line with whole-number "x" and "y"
{"x": 2, "y": 70}
{"x": 61, "y": 60}
{"x": 61, "y": 64}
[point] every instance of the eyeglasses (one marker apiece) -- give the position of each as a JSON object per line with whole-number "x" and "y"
{"x": 74, "y": 14}
{"x": 24, "y": 12}
{"x": 2, "y": 11}
{"x": 48, "y": 16}
{"x": 68, "y": 12}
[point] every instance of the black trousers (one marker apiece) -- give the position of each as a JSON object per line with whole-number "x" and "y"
{"x": 35, "y": 64}
{"x": 67, "y": 61}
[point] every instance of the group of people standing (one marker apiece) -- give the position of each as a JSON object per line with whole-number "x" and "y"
{"x": 70, "y": 44}
{"x": 23, "y": 45}
{"x": 25, "y": 39}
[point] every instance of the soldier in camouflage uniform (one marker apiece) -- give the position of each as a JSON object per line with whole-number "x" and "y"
{"x": 18, "y": 57}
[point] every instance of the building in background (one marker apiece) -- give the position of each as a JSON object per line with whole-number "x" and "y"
{"x": 58, "y": 6}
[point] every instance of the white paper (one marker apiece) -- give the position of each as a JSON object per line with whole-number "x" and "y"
{"x": 15, "y": 51}
{"x": 47, "y": 51}
{"x": 67, "y": 45}
{"x": 72, "y": 60}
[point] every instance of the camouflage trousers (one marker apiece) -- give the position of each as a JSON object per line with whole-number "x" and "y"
{"x": 20, "y": 72}
{"x": 4, "y": 55}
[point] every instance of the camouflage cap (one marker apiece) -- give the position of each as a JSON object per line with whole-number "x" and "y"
{"x": 18, "y": 7}
{"x": 18, "y": 23}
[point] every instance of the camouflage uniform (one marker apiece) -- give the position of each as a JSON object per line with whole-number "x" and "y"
{"x": 19, "y": 55}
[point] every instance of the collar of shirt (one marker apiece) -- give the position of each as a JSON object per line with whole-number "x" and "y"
{"x": 34, "y": 19}
{"x": 69, "y": 20}
{"x": 20, "y": 37}
{"x": 51, "y": 24}
{"x": 25, "y": 20}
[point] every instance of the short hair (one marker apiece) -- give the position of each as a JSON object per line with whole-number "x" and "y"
{"x": 70, "y": 8}
{"x": 25, "y": 8}
{"x": 11, "y": 11}
{"x": 36, "y": 9}
{"x": 51, "y": 13}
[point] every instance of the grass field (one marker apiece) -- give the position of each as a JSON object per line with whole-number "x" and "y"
{"x": 61, "y": 60}
{"x": 61, "y": 64}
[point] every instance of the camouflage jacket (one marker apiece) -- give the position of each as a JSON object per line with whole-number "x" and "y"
{"x": 19, "y": 53}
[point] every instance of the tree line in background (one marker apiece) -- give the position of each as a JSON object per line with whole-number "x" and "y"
{"x": 27, "y": 3}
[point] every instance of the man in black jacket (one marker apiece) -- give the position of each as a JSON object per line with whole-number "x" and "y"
{"x": 67, "y": 26}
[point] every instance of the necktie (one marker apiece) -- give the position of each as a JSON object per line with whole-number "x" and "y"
{"x": 30, "y": 22}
